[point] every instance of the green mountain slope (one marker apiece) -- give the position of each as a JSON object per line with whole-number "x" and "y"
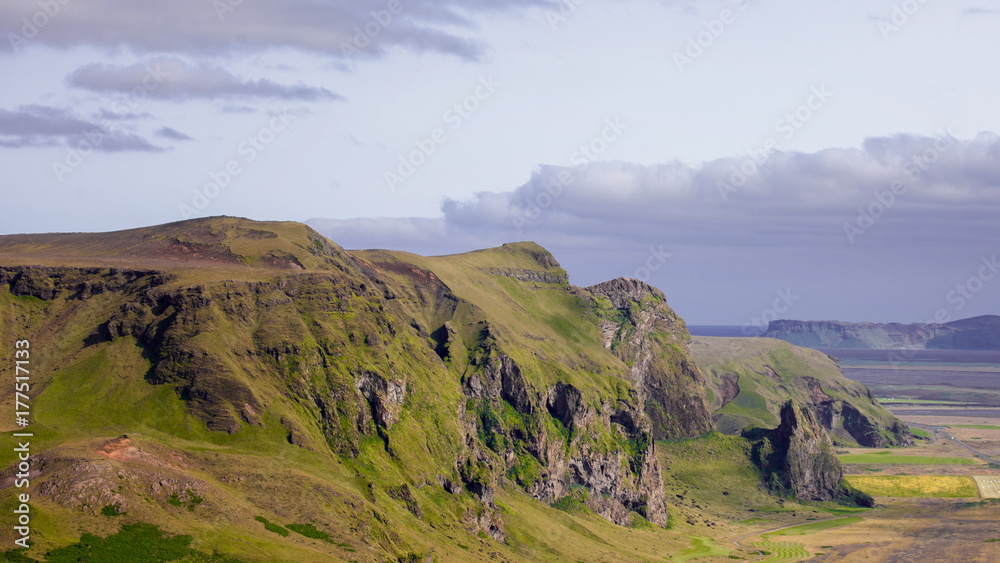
{"x": 234, "y": 380}
{"x": 751, "y": 378}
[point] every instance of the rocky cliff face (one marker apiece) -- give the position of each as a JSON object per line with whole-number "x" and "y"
{"x": 548, "y": 441}
{"x": 644, "y": 332}
{"x": 798, "y": 456}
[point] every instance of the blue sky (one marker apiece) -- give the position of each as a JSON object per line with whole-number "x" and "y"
{"x": 729, "y": 152}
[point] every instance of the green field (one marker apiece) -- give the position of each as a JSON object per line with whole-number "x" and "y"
{"x": 781, "y": 552}
{"x": 920, "y": 432}
{"x": 894, "y": 459}
{"x": 975, "y": 426}
{"x": 931, "y": 486}
{"x": 814, "y": 527}
{"x": 715, "y": 470}
{"x": 701, "y": 546}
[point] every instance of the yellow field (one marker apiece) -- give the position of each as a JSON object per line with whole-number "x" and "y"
{"x": 936, "y": 486}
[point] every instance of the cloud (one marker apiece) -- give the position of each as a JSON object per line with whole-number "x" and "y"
{"x": 739, "y": 201}
{"x": 879, "y": 232}
{"x": 221, "y": 27}
{"x": 44, "y": 126}
{"x": 174, "y": 134}
{"x": 171, "y": 78}
{"x": 812, "y": 195}
{"x": 981, "y": 12}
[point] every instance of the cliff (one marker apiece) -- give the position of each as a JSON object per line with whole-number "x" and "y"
{"x": 798, "y": 458}
{"x": 978, "y": 333}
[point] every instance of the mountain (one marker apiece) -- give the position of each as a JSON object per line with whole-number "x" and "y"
{"x": 977, "y": 333}
{"x": 750, "y": 379}
{"x": 256, "y": 392}
{"x": 179, "y": 364}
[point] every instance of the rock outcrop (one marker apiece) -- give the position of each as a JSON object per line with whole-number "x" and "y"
{"x": 644, "y": 332}
{"x": 797, "y": 457}
{"x": 549, "y": 441}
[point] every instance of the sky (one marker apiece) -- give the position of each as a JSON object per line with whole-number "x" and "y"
{"x": 754, "y": 159}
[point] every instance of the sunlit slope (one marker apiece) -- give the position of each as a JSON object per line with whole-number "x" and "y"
{"x": 751, "y": 377}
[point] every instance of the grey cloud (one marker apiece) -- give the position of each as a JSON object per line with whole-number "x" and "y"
{"x": 174, "y": 79}
{"x": 232, "y": 108}
{"x": 41, "y": 126}
{"x": 199, "y": 27}
{"x": 171, "y": 133}
{"x": 981, "y": 12}
{"x": 809, "y": 195}
{"x": 786, "y": 226}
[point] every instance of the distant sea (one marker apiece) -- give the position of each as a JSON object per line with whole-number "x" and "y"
{"x": 715, "y": 330}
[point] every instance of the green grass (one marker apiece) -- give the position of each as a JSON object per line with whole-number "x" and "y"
{"x": 701, "y": 546}
{"x": 814, "y": 527}
{"x": 782, "y": 552}
{"x": 929, "y": 486}
{"x": 704, "y": 469}
{"x": 976, "y": 426}
{"x": 895, "y": 459}
{"x": 843, "y": 510}
{"x": 138, "y": 543}
{"x": 272, "y": 527}
{"x": 309, "y": 531}
{"x": 920, "y": 432}
{"x": 111, "y": 510}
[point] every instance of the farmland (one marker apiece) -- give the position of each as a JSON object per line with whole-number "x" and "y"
{"x": 885, "y": 457}
{"x": 938, "y": 486}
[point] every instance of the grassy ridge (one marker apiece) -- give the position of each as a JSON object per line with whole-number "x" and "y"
{"x": 766, "y": 372}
